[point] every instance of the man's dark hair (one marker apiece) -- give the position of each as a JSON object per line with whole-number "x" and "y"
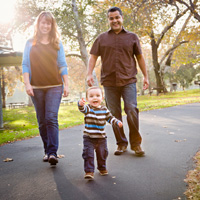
{"x": 113, "y": 9}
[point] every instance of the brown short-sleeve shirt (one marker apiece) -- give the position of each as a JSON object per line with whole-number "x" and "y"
{"x": 117, "y": 56}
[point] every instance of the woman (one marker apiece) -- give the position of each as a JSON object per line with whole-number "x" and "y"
{"x": 45, "y": 78}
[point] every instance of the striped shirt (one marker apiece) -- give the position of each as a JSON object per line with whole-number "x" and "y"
{"x": 95, "y": 120}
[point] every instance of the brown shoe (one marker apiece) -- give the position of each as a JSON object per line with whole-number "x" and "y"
{"x": 103, "y": 172}
{"x": 120, "y": 150}
{"x": 89, "y": 175}
{"x": 138, "y": 151}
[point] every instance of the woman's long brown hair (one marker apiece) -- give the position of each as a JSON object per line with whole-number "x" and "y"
{"x": 53, "y": 35}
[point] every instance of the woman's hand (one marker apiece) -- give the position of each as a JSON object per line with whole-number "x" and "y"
{"x": 65, "y": 91}
{"x": 29, "y": 89}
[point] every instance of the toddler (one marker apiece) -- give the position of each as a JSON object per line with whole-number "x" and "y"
{"x": 94, "y": 137}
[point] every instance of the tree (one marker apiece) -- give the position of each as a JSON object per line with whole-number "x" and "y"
{"x": 8, "y": 74}
{"x": 154, "y": 21}
{"x": 79, "y": 25}
{"x": 184, "y": 75}
{"x": 158, "y": 19}
{"x": 194, "y": 7}
{"x": 80, "y": 29}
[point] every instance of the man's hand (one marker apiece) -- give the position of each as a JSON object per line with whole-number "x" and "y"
{"x": 91, "y": 65}
{"x": 145, "y": 83}
{"x": 90, "y": 80}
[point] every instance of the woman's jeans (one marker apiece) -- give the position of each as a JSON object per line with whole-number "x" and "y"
{"x": 113, "y": 97}
{"x": 100, "y": 146}
{"x": 47, "y": 102}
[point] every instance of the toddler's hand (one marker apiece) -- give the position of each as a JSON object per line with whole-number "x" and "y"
{"x": 120, "y": 124}
{"x": 81, "y": 102}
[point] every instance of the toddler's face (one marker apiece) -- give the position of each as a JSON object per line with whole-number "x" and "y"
{"x": 94, "y": 97}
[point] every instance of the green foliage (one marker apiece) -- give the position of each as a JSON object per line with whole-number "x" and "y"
{"x": 92, "y": 21}
{"x": 21, "y": 123}
{"x": 184, "y": 75}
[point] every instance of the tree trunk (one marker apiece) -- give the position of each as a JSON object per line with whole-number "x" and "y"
{"x": 82, "y": 45}
{"x": 3, "y": 90}
{"x": 159, "y": 83}
{"x": 3, "y": 93}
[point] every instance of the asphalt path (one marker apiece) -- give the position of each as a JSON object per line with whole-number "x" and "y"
{"x": 171, "y": 138}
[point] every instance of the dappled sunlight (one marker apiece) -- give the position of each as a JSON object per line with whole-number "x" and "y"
{"x": 21, "y": 124}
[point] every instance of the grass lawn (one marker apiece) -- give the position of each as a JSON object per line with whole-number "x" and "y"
{"x": 21, "y": 123}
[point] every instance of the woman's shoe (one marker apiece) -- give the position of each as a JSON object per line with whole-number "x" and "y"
{"x": 45, "y": 158}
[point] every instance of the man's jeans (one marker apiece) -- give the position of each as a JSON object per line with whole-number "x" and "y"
{"x": 47, "y": 102}
{"x": 113, "y": 101}
{"x": 100, "y": 146}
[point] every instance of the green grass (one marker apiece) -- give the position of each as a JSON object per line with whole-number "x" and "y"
{"x": 170, "y": 99}
{"x": 21, "y": 123}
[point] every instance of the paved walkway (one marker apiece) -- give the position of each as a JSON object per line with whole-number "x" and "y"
{"x": 170, "y": 138}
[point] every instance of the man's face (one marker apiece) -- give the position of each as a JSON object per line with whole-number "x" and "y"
{"x": 115, "y": 20}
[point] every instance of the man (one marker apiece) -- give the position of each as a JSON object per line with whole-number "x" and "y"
{"x": 118, "y": 49}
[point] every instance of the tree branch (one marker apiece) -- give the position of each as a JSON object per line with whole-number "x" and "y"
{"x": 169, "y": 26}
{"x": 73, "y": 55}
{"x": 172, "y": 49}
{"x": 191, "y": 7}
{"x": 176, "y": 41}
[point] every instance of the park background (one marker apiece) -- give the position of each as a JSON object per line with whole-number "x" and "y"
{"x": 168, "y": 31}
{"x": 169, "y": 35}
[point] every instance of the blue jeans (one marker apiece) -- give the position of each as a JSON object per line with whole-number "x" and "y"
{"x": 46, "y": 103}
{"x": 100, "y": 146}
{"x": 113, "y": 97}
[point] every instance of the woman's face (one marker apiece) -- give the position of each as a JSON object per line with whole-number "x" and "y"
{"x": 45, "y": 26}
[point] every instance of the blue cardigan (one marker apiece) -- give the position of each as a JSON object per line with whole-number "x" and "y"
{"x": 61, "y": 61}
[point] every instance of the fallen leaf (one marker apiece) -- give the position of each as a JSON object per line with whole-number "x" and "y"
{"x": 8, "y": 160}
{"x": 61, "y": 156}
{"x": 180, "y": 140}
